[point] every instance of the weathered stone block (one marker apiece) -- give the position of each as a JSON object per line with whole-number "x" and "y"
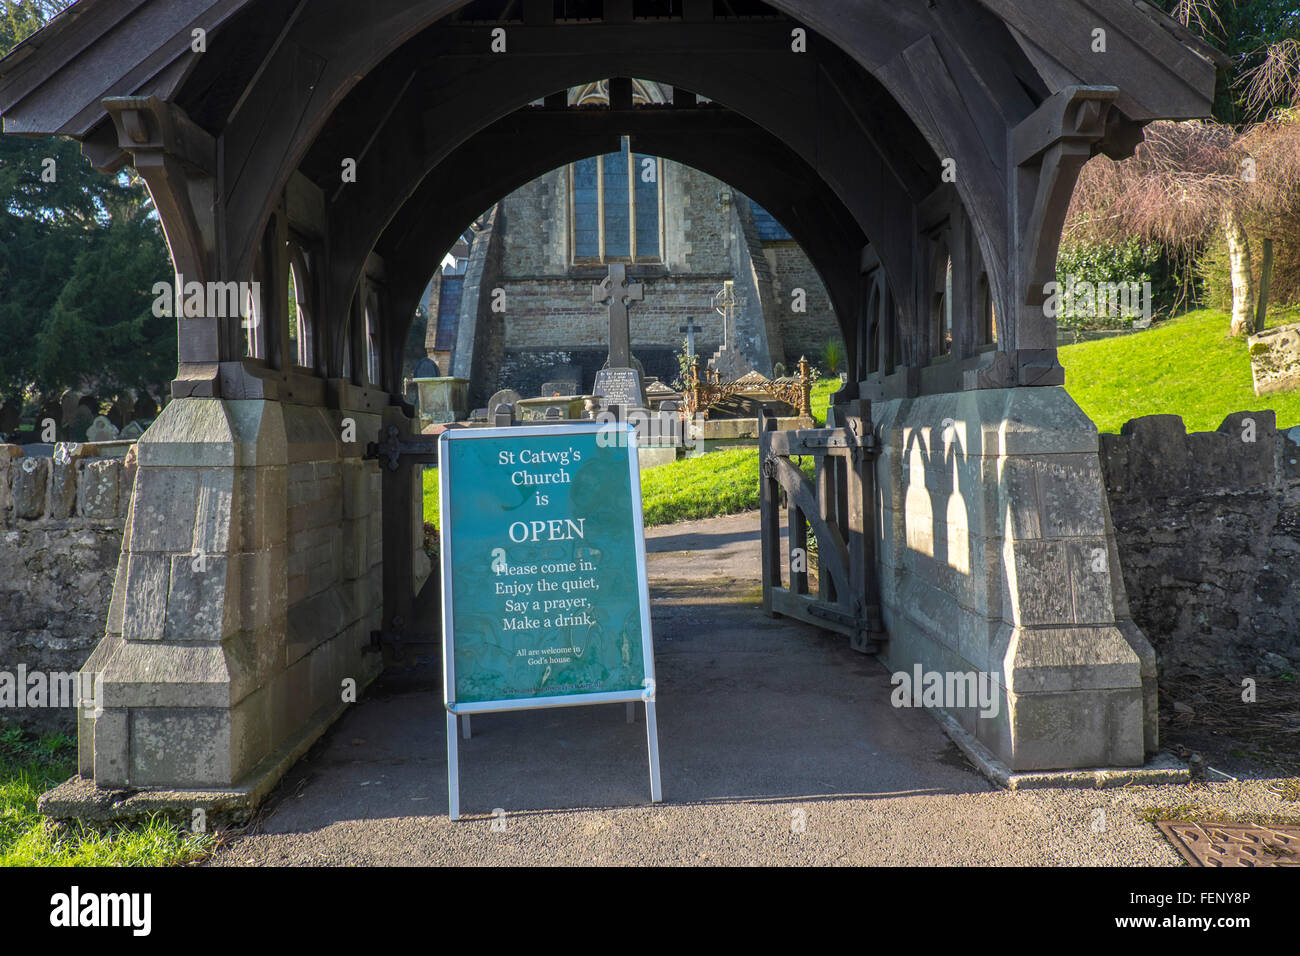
{"x": 1038, "y": 583}
{"x": 214, "y": 511}
{"x": 144, "y": 611}
{"x": 112, "y": 748}
{"x": 163, "y": 514}
{"x": 1275, "y": 359}
{"x": 151, "y": 674}
{"x": 99, "y": 488}
{"x": 28, "y": 482}
{"x": 63, "y": 489}
{"x": 202, "y": 598}
{"x": 1101, "y": 728}
{"x": 181, "y": 747}
{"x": 1157, "y": 453}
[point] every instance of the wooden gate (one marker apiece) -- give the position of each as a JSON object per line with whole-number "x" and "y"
{"x": 838, "y": 505}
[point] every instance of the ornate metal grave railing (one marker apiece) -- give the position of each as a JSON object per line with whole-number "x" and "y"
{"x": 705, "y": 390}
{"x": 839, "y": 507}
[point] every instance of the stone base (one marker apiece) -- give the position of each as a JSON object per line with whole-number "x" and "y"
{"x": 998, "y": 560}
{"x": 77, "y": 798}
{"x": 729, "y": 429}
{"x": 1161, "y": 769}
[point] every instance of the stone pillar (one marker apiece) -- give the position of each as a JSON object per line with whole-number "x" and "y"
{"x": 997, "y": 557}
{"x": 248, "y": 584}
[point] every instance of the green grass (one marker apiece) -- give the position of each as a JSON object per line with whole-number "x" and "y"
{"x": 822, "y": 391}
{"x": 1188, "y": 366}
{"x": 719, "y": 483}
{"x": 431, "y": 497}
{"x": 29, "y": 767}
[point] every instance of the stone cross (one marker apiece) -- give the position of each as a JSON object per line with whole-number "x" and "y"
{"x": 690, "y": 328}
{"x": 724, "y": 303}
{"x": 616, "y": 289}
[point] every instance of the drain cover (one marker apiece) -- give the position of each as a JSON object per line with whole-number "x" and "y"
{"x": 1233, "y": 844}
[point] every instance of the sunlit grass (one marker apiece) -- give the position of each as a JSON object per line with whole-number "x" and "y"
{"x": 28, "y": 767}
{"x": 1188, "y": 366}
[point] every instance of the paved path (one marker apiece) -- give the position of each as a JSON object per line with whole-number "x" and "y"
{"x": 778, "y": 746}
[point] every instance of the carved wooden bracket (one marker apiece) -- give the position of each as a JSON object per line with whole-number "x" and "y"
{"x": 1049, "y": 149}
{"x": 177, "y": 160}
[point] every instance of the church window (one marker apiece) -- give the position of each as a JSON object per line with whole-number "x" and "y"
{"x": 616, "y": 207}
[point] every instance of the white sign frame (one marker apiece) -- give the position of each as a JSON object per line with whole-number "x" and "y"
{"x": 620, "y": 434}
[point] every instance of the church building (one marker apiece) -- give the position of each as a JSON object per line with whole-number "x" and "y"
{"x": 513, "y": 305}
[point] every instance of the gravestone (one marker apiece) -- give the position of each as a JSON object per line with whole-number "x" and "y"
{"x": 690, "y": 329}
{"x": 122, "y": 411}
{"x": 101, "y": 429}
{"x": 507, "y": 396}
{"x": 134, "y": 429}
{"x": 50, "y": 409}
{"x": 562, "y": 381}
{"x": 82, "y": 417}
{"x": 146, "y": 409}
{"x": 554, "y": 413}
{"x": 619, "y": 387}
{"x": 619, "y": 384}
{"x": 70, "y": 401}
{"x": 731, "y": 365}
{"x": 561, "y": 388}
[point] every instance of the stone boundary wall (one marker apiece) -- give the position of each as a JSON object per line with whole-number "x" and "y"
{"x": 61, "y": 521}
{"x": 1208, "y": 529}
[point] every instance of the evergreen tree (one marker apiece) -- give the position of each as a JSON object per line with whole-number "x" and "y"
{"x": 79, "y": 254}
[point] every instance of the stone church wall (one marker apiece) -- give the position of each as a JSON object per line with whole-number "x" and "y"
{"x": 804, "y": 334}
{"x": 1208, "y": 526}
{"x": 549, "y": 317}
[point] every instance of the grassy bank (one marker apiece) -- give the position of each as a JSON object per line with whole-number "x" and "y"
{"x": 1188, "y": 366}
{"x": 28, "y": 767}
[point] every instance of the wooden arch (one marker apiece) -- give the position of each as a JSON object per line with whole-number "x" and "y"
{"x": 1003, "y": 99}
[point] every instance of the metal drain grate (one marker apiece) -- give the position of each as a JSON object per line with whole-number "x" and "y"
{"x": 1233, "y": 844}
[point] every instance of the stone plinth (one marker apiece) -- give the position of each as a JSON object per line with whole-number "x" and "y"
{"x": 1275, "y": 359}
{"x": 444, "y": 399}
{"x": 249, "y": 582}
{"x": 998, "y": 558}
{"x": 745, "y": 429}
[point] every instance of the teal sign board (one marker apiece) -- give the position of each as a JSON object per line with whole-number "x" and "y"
{"x": 545, "y": 601}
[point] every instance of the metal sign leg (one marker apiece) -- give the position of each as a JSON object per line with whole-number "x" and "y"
{"x": 453, "y": 769}
{"x": 652, "y": 740}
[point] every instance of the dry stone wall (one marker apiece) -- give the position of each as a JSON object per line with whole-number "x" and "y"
{"x": 61, "y": 521}
{"x": 1208, "y": 529}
